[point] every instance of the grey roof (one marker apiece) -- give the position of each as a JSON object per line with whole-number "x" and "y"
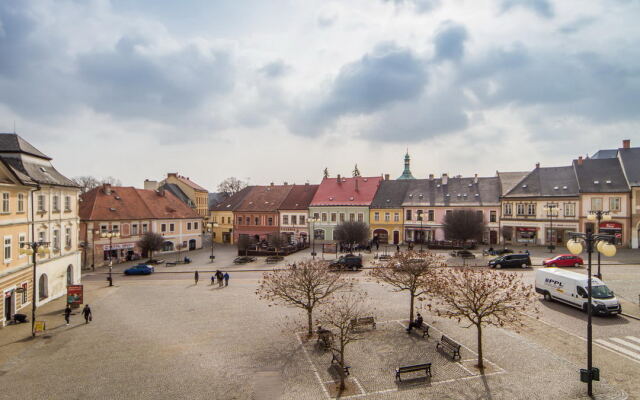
{"x": 509, "y": 180}
{"x": 600, "y": 176}
{"x": 457, "y": 192}
{"x": 12, "y": 143}
{"x": 32, "y": 174}
{"x": 215, "y": 198}
{"x": 233, "y": 202}
{"x": 630, "y": 160}
{"x": 176, "y": 191}
{"x": 607, "y": 153}
{"x": 547, "y": 182}
{"x": 390, "y": 194}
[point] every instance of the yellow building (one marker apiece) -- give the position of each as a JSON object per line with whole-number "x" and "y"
{"x": 386, "y": 217}
{"x": 198, "y": 195}
{"x": 221, "y": 218}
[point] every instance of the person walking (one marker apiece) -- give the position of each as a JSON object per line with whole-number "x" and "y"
{"x": 219, "y": 277}
{"x": 226, "y": 279}
{"x": 86, "y": 312}
{"x": 398, "y": 248}
{"x": 67, "y": 313}
{"x": 213, "y": 280}
{"x": 196, "y": 276}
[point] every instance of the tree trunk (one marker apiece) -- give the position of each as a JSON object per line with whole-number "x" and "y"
{"x": 310, "y": 321}
{"x": 341, "y": 373}
{"x": 480, "y": 359}
{"x": 411, "y": 307}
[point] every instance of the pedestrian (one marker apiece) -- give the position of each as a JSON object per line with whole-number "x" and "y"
{"x": 219, "y": 277}
{"x": 213, "y": 280}
{"x": 67, "y": 313}
{"x": 417, "y": 323}
{"x": 93, "y": 267}
{"x": 196, "y": 277}
{"x": 377, "y": 246}
{"x": 86, "y": 311}
{"x": 398, "y": 248}
{"x": 226, "y": 279}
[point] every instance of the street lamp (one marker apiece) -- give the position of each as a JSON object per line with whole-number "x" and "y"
{"x": 33, "y": 249}
{"x": 551, "y": 209}
{"x": 313, "y": 221}
{"x": 212, "y": 225}
{"x": 599, "y": 216}
{"x": 110, "y": 234}
{"x": 420, "y": 218}
{"x": 602, "y": 244}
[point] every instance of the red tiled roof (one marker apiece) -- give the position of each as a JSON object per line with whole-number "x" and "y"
{"x": 358, "y": 191}
{"x": 264, "y": 198}
{"x": 233, "y": 202}
{"x": 299, "y": 197}
{"x": 124, "y": 203}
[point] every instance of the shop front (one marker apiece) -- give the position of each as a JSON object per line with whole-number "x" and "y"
{"x": 525, "y": 234}
{"x": 119, "y": 251}
{"x": 613, "y": 228}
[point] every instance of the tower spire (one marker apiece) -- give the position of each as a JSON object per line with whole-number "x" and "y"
{"x": 406, "y": 174}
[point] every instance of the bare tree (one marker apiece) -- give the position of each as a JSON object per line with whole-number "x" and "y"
{"x": 482, "y": 297}
{"x": 356, "y": 171}
{"x": 86, "y": 182}
{"x": 352, "y": 232}
{"x": 276, "y": 241}
{"x": 111, "y": 181}
{"x": 150, "y": 242}
{"x": 337, "y": 316}
{"x": 231, "y": 186}
{"x": 325, "y": 173}
{"x": 463, "y": 225}
{"x": 305, "y": 286}
{"x": 507, "y": 234}
{"x": 410, "y": 272}
{"x": 244, "y": 241}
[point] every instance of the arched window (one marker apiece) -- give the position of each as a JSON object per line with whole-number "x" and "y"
{"x": 43, "y": 287}
{"x": 70, "y": 275}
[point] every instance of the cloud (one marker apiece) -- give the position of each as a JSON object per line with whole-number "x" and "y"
{"x": 421, "y": 6}
{"x": 449, "y": 42}
{"x": 275, "y": 69}
{"x": 541, "y": 7}
{"x": 577, "y": 25}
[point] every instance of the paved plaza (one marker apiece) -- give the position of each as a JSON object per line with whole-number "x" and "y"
{"x": 165, "y": 337}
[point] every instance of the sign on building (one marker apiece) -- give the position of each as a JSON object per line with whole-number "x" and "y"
{"x": 74, "y": 295}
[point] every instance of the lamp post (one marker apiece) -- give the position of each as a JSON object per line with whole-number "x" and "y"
{"x": 551, "y": 209}
{"x": 421, "y": 231}
{"x": 110, "y": 234}
{"x": 33, "y": 249}
{"x": 602, "y": 243}
{"x": 599, "y": 216}
{"x": 313, "y": 221}
{"x": 212, "y": 225}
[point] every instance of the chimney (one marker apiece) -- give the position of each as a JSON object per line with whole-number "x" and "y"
{"x": 626, "y": 144}
{"x": 537, "y": 165}
{"x": 431, "y": 176}
{"x": 172, "y": 174}
{"x": 475, "y": 179}
{"x": 285, "y": 183}
{"x": 339, "y": 178}
{"x": 386, "y": 177}
{"x": 580, "y": 160}
{"x": 106, "y": 188}
{"x": 445, "y": 179}
{"x": 150, "y": 185}
{"x": 271, "y": 184}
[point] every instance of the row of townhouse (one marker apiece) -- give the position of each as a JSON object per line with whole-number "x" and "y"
{"x": 537, "y": 207}
{"x": 38, "y": 205}
{"x": 114, "y": 219}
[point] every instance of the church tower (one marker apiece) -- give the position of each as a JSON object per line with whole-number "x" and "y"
{"x": 406, "y": 174}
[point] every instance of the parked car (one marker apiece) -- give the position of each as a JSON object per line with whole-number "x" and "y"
{"x": 462, "y": 254}
{"x": 563, "y": 260}
{"x": 243, "y": 259}
{"x": 348, "y": 261}
{"x": 140, "y": 269}
{"x": 511, "y": 261}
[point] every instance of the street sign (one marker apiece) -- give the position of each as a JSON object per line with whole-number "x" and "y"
{"x": 39, "y": 326}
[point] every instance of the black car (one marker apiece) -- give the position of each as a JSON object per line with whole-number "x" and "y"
{"x": 462, "y": 254}
{"x": 348, "y": 261}
{"x": 511, "y": 261}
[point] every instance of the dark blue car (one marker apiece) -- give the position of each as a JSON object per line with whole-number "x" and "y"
{"x": 140, "y": 269}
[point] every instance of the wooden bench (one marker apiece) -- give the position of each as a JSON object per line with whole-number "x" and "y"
{"x": 413, "y": 368}
{"x": 424, "y": 328}
{"x": 335, "y": 358}
{"x": 357, "y": 322}
{"x": 449, "y": 346}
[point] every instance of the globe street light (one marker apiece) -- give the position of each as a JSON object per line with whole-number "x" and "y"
{"x": 212, "y": 225}
{"x": 33, "y": 249}
{"x": 599, "y": 216}
{"x": 551, "y": 210}
{"x": 602, "y": 244}
{"x": 111, "y": 234}
{"x": 313, "y": 221}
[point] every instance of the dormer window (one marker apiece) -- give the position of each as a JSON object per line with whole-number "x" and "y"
{"x": 596, "y": 182}
{"x": 524, "y": 186}
{"x": 556, "y": 188}
{"x": 351, "y": 198}
{"x": 608, "y": 182}
{"x": 43, "y": 169}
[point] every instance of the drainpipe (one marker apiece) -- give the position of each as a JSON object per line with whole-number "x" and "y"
{"x": 34, "y": 284}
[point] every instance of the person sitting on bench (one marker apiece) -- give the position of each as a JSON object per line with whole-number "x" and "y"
{"x": 416, "y": 323}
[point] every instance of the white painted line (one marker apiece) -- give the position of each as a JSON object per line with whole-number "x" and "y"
{"x": 313, "y": 367}
{"x": 466, "y": 369}
{"x": 635, "y": 339}
{"x": 360, "y": 386}
{"x": 625, "y": 343}
{"x": 620, "y": 349}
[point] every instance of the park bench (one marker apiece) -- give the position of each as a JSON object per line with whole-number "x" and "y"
{"x": 424, "y": 328}
{"x": 450, "y": 346}
{"x": 335, "y": 358}
{"x": 413, "y": 368}
{"x": 357, "y": 322}
{"x": 170, "y": 264}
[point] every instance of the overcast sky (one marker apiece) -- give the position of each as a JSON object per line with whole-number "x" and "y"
{"x": 278, "y": 90}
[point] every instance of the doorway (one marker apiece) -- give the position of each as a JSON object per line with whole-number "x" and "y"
{"x": 192, "y": 244}
{"x": 493, "y": 237}
{"x": 396, "y": 237}
{"x": 9, "y": 304}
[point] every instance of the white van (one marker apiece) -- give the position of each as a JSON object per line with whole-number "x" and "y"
{"x": 571, "y": 288}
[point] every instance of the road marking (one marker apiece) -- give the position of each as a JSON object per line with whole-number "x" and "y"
{"x": 313, "y": 367}
{"x": 625, "y": 343}
{"x": 617, "y": 348}
{"x": 635, "y": 339}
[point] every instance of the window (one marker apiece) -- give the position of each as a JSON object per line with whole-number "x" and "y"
{"x": 41, "y": 203}
{"x": 448, "y": 212}
{"x": 396, "y": 217}
{"x": 25, "y": 293}
{"x": 103, "y": 229}
{"x": 7, "y": 248}
{"x": 387, "y": 217}
{"x": 294, "y": 219}
{"x": 134, "y": 229}
{"x": 508, "y": 209}
{"x": 376, "y": 216}
{"x": 270, "y": 221}
{"x": 334, "y": 217}
{"x": 22, "y": 239}
{"x": 195, "y": 225}
{"x": 285, "y": 220}
{"x": 247, "y": 221}
{"x": 430, "y": 215}
{"x": 480, "y": 215}
{"x": 531, "y": 209}
{"x": 20, "y": 202}
{"x": 316, "y": 216}
{"x": 56, "y": 240}
{"x": 570, "y": 209}
{"x": 115, "y": 228}
{"x": 256, "y": 220}
{"x": 67, "y": 203}
{"x": 408, "y": 218}
{"x": 324, "y": 217}
{"x": 352, "y": 217}
{"x": 342, "y": 217}
{"x": 520, "y": 209}
{"x": 493, "y": 216}
{"x": 163, "y": 228}
{"x": 42, "y": 236}
{"x": 171, "y": 227}
{"x": 144, "y": 228}
{"x": 67, "y": 237}
{"x": 596, "y": 204}
{"x": 5, "y": 202}
{"x": 56, "y": 204}
{"x": 360, "y": 217}
{"x": 614, "y": 204}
